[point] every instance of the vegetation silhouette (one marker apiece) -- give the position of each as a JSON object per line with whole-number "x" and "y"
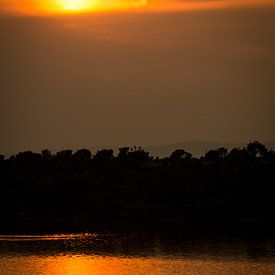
{"x": 74, "y": 190}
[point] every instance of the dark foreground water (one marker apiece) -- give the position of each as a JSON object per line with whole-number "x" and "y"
{"x": 134, "y": 254}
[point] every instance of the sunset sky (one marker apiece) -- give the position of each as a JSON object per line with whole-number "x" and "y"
{"x": 127, "y": 72}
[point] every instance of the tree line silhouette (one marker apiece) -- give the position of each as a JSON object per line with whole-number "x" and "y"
{"x": 79, "y": 188}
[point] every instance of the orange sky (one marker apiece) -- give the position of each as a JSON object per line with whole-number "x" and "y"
{"x": 136, "y": 78}
{"x": 42, "y": 7}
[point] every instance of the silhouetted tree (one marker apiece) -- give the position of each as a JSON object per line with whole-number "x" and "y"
{"x": 82, "y": 155}
{"x": 256, "y": 149}
{"x": 123, "y": 152}
{"x": 139, "y": 154}
{"x": 214, "y": 155}
{"x": 12, "y": 158}
{"x": 237, "y": 154}
{"x": 104, "y": 155}
{"x": 223, "y": 152}
{"x": 2, "y": 157}
{"x": 46, "y": 154}
{"x": 28, "y": 156}
{"x": 64, "y": 155}
{"x": 180, "y": 154}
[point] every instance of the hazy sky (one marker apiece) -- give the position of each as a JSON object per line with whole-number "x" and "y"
{"x": 150, "y": 76}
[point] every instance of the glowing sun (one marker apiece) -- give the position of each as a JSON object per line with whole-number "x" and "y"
{"x": 76, "y": 5}
{"x": 63, "y": 7}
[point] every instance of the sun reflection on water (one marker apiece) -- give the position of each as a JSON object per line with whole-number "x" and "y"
{"x": 103, "y": 265}
{"x": 98, "y": 254}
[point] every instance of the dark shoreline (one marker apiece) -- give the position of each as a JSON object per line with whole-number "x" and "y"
{"x": 36, "y": 226}
{"x": 79, "y": 192}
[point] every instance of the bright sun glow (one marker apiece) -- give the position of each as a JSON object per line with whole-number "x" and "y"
{"x": 76, "y": 5}
{"x": 48, "y": 7}
{"x": 83, "y": 6}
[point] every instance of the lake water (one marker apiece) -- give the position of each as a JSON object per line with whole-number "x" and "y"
{"x": 134, "y": 254}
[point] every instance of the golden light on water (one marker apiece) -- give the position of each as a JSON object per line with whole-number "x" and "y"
{"x": 108, "y": 265}
{"x": 87, "y": 261}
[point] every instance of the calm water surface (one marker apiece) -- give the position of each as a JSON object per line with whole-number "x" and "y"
{"x": 133, "y": 254}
